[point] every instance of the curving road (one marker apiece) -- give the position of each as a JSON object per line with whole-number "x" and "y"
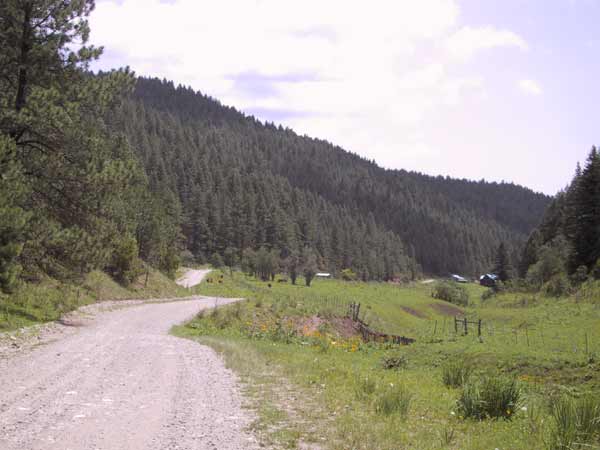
{"x": 122, "y": 382}
{"x": 192, "y": 277}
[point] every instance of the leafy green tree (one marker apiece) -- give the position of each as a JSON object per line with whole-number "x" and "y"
{"x": 249, "y": 261}
{"x": 266, "y": 264}
{"x": 309, "y": 266}
{"x": 551, "y": 263}
{"x": 529, "y": 255}
{"x": 292, "y": 266}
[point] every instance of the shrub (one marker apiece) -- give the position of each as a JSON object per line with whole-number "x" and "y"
{"x": 125, "y": 265}
{"x": 393, "y": 400}
{"x": 348, "y": 275}
{"x": 557, "y": 286}
{"x": 576, "y": 422}
{"x": 596, "y": 270}
{"x": 580, "y": 275}
{"x": 394, "y": 362}
{"x": 489, "y": 397}
{"x": 364, "y": 387}
{"x": 456, "y": 373}
{"x": 451, "y": 292}
{"x": 216, "y": 260}
{"x": 487, "y": 294}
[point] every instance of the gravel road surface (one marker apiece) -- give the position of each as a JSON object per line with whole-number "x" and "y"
{"x": 121, "y": 382}
{"x": 192, "y": 277}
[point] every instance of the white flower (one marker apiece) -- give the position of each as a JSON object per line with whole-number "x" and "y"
{"x": 524, "y": 408}
{"x": 452, "y": 413}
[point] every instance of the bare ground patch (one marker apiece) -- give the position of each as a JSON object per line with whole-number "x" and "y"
{"x": 414, "y": 312}
{"x": 447, "y": 309}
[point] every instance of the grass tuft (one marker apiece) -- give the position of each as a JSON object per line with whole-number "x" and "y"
{"x": 394, "y": 399}
{"x": 489, "y": 397}
{"x": 576, "y": 423}
{"x": 456, "y": 373}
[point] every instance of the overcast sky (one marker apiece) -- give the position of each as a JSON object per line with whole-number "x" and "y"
{"x": 495, "y": 89}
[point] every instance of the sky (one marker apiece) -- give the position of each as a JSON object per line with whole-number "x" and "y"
{"x": 502, "y": 90}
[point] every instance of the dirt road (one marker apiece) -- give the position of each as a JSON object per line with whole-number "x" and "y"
{"x": 192, "y": 277}
{"x": 121, "y": 382}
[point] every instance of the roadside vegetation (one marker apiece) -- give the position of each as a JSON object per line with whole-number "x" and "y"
{"x": 49, "y": 299}
{"x": 522, "y": 384}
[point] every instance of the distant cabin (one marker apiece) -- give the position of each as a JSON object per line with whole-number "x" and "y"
{"x": 488, "y": 280}
{"x": 323, "y": 275}
{"x": 458, "y": 278}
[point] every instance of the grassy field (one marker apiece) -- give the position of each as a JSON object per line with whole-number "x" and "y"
{"x": 49, "y": 299}
{"x": 313, "y": 384}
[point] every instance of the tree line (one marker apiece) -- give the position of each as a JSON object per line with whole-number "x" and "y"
{"x": 244, "y": 184}
{"x": 564, "y": 251}
{"x": 113, "y": 172}
{"x": 73, "y": 195}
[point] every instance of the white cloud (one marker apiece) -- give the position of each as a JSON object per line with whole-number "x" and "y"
{"x": 530, "y": 87}
{"x": 469, "y": 40}
{"x": 363, "y": 75}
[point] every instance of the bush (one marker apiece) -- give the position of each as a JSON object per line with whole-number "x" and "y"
{"x": 393, "y": 400}
{"x": 557, "y": 286}
{"x": 125, "y": 266}
{"x": 487, "y": 294}
{"x": 580, "y": 275}
{"x": 576, "y": 422}
{"x": 456, "y": 373}
{"x": 216, "y": 260}
{"x": 394, "y": 362}
{"x": 348, "y": 275}
{"x": 451, "y": 292}
{"x": 489, "y": 397}
{"x": 596, "y": 270}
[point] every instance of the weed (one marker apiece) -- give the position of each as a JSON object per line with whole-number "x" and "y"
{"x": 364, "y": 387}
{"x": 455, "y": 373}
{"x": 394, "y": 362}
{"x": 489, "y": 397}
{"x": 394, "y": 399}
{"x": 446, "y": 436}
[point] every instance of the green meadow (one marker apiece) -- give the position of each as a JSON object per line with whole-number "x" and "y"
{"x": 313, "y": 385}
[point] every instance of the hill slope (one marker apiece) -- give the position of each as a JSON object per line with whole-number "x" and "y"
{"x": 243, "y": 184}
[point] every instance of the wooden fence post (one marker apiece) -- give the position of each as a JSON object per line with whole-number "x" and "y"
{"x": 466, "y": 329}
{"x": 455, "y": 325}
{"x": 479, "y": 328}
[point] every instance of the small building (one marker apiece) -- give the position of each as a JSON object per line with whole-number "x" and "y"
{"x": 458, "y": 278}
{"x": 488, "y": 280}
{"x": 323, "y": 275}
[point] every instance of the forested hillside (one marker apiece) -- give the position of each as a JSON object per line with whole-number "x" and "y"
{"x": 565, "y": 249}
{"x": 244, "y": 184}
{"x": 113, "y": 172}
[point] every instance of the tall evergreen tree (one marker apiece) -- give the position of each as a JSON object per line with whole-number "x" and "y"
{"x": 584, "y": 225}
{"x": 502, "y": 267}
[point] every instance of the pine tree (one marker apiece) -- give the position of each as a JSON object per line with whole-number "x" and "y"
{"x": 502, "y": 267}
{"x": 12, "y": 217}
{"x": 584, "y": 226}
